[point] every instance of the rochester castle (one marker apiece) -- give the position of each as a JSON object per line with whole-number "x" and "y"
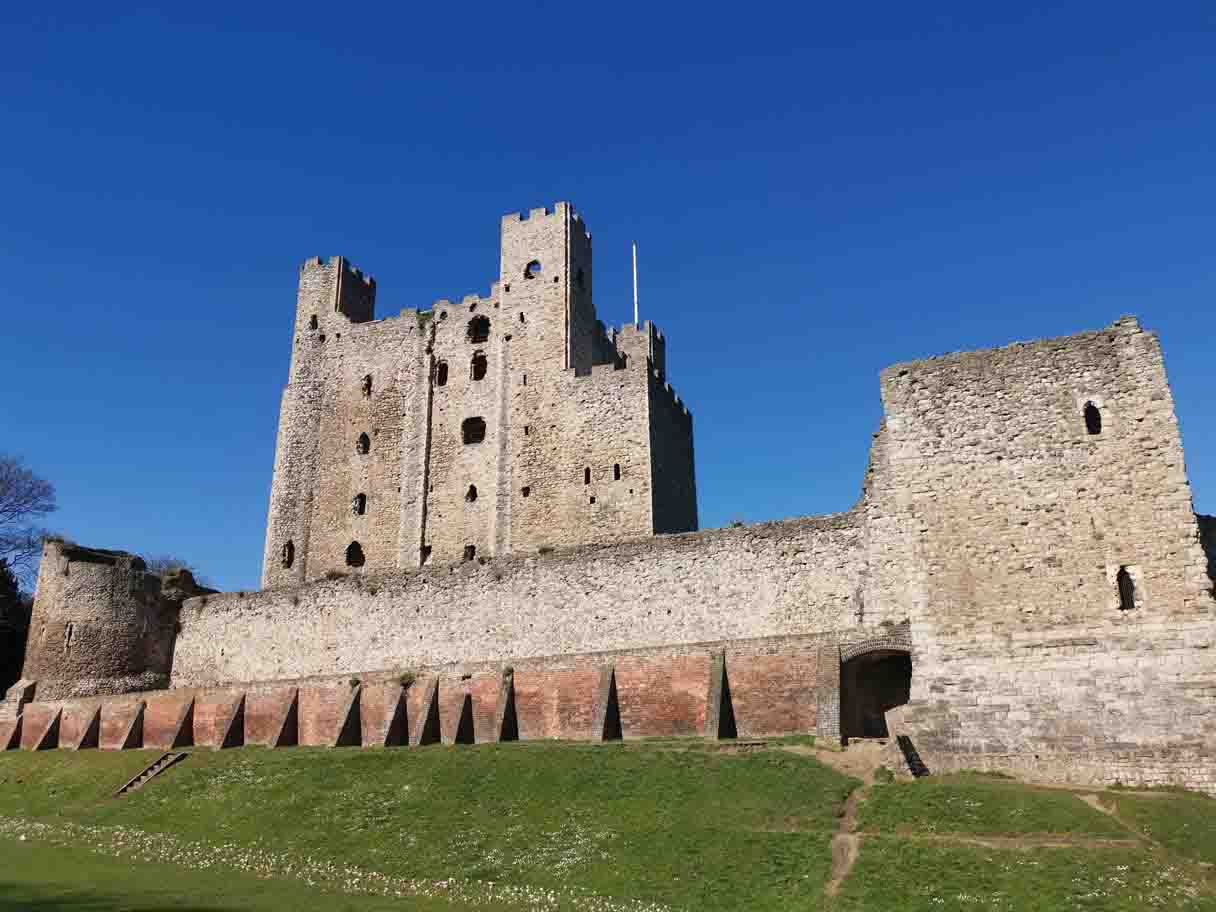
{"x": 482, "y": 527}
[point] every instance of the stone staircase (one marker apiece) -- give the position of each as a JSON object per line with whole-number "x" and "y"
{"x": 152, "y": 771}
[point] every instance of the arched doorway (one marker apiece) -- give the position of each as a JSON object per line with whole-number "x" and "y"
{"x": 870, "y": 684}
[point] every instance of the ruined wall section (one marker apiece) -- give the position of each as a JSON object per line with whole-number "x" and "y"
{"x": 463, "y": 465}
{"x": 332, "y": 296}
{"x": 776, "y": 579}
{"x": 583, "y": 475}
{"x": 1023, "y": 514}
{"x": 100, "y": 624}
{"x": 371, "y": 374}
{"x": 672, "y": 465}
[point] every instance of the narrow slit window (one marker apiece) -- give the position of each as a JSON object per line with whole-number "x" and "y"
{"x": 354, "y": 555}
{"x": 312, "y": 322}
{"x": 616, "y": 471}
{"x": 358, "y": 506}
{"x": 1127, "y": 589}
{"x": 587, "y": 476}
{"x": 289, "y": 554}
{"x": 480, "y": 366}
{"x": 366, "y": 386}
{"x": 441, "y": 373}
{"x": 525, "y": 490}
{"x": 1093, "y": 419}
{"x": 363, "y": 445}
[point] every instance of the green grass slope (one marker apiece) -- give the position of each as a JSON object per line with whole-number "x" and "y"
{"x": 637, "y": 827}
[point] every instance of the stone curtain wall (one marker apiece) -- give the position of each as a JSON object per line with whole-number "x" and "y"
{"x": 1007, "y": 523}
{"x": 793, "y": 577}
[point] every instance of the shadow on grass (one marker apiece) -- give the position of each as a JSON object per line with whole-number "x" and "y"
{"x": 18, "y": 897}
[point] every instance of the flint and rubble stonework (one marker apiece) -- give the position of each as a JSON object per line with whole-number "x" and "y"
{"x": 584, "y": 441}
{"x": 1025, "y": 543}
{"x": 101, "y": 623}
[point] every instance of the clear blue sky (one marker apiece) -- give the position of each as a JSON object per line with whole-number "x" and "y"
{"x": 818, "y": 190}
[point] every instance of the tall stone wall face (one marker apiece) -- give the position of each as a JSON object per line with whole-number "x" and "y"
{"x": 378, "y": 465}
{"x": 1007, "y": 520}
{"x": 671, "y": 458}
{"x": 793, "y": 577}
{"x": 98, "y": 626}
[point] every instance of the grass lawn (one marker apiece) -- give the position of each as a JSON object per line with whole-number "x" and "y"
{"x": 639, "y": 827}
{"x": 981, "y": 805}
{"x": 1182, "y": 822}
{"x": 35, "y": 876}
{"x": 690, "y": 829}
{"x": 921, "y": 876}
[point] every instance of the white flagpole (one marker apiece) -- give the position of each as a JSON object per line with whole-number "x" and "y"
{"x": 635, "y": 283}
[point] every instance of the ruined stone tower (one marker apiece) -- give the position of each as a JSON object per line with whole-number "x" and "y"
{"x": 502, "y": 424}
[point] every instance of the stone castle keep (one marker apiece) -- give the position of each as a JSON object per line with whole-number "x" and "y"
{"x": 485, "y": 428}
{"x": 482, "y": 527}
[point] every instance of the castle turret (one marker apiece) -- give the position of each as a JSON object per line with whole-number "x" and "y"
{"x": 101, "y": 623}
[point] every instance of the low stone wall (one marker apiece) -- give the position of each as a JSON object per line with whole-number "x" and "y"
{"x": 1190, "y": 765}
{"x": 777, "y": 579}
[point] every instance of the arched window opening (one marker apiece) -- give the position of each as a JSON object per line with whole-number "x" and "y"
{"x": 616, "y": 471}
{"x": 532, "y": 270}
{"x": 470, "y": 552}
{"x": 587, "y": 476}
{"x": 473, "y": 430}
{"x": 471, "y": 494}
{"x": 289, "y": 554}
{"x": 358, "y": 506}
{"x": 1127, "y": 589}
{"x": 480, "y": 366}
{"x": 479, "y": 329}
{"x": 441, "y": 373}
{"x": 354, "y": 555}
{"x": 1093, "y": 419}
{"x": 367, "y": 386}
{"x": 312, "y": 322}
{"x": 363, "y": 445}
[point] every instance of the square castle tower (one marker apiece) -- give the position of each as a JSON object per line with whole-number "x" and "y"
{"x": 500, "y": 425}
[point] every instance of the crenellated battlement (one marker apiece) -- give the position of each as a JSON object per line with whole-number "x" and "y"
{"x": 559, "y": 209}
{"x": 339, "y": 262}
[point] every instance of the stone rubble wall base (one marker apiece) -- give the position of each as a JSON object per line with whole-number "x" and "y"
{"x": 1191, "y": 766}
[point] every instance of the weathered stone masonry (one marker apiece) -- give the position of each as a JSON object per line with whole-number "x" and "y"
{"x": 489, "y": 427}
{"x": 1022, "y": 585}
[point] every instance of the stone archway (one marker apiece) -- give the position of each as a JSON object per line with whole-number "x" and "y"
{"x": 872, "y": 681}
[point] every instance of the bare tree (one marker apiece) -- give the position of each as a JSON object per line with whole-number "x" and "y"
{"x": 24, "y": 500}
